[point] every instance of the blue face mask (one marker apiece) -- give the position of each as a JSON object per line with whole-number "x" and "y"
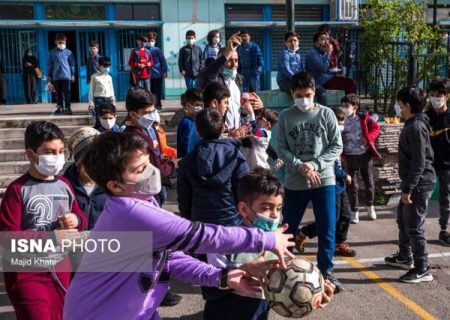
{"x": 229, "y": 73}
{"x": 265, "y": 223}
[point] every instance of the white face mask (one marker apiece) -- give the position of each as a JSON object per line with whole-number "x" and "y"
{"x": 61, "y": 46}
{"x": 151, "y": 44}
{"x": 437, "y": 102}
{"x": 229, "y": 73}
{"x": 147, "y": 120}
{"x": 304, "y": 104}
{"x": 107, "y": 123}
{"x": 104, "y": 70}
{"x": 215, "y": 40}
{"x": 190, "y": 41}
{"x": 49, "y": 164}
{"x": 398, "y": 111}
{"x": 148, "y": 182}
{"x": 348, "y": 112}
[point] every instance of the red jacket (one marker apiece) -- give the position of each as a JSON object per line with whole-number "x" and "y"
{"x": 137, "y": 57}
{"x": 165, "y": 167}
{"x": 370, "y": 130}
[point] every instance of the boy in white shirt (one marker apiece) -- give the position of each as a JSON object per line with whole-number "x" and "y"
{"x": 101, "y": 88}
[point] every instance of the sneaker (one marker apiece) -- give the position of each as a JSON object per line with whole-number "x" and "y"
{"x": 396, "y": 261}
{"x": 171, "y": 299}
{"x": 277, "y": 166}
{"x": 417, "y": 276}
{"x": 59, "y": 110}
{"x": 299, "y": 240}
{"x": 371, "y": 212}
{"x": 344, "y": 250}
{"x": 330, "y": 276}
{"x": 355, "y": 217}
{"x": 444, "y": 238}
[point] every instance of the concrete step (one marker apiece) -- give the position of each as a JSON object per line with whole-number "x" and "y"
{"x": 18, "y": 143}
{"x": 24, "y": 121}
{"x": 14, "y": 167}
{"x": 5, "y": 180}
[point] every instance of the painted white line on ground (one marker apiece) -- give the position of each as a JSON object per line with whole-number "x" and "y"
{"x": 381, "y": 259}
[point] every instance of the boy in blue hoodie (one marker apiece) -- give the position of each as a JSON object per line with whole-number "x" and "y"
{"x": 343, "y": 214}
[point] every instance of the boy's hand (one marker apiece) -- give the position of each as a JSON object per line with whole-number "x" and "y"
{"x": 327, "y": 294}
{"x": 242, "y": 282}
{"x": 256, "y": 101}
{"x": 313, "y": 178}
{"x": 258, "y": 267}
{"x": 348, "y": 180}
{"x": 282, "y": 243}
{"x": 183, "y": 73}
{"x": 306, "y": 167}
{"x": 69, "y": 221}
{"x": 73, "y": 78}
{"x": 406, "y": 198}
{"x": 248, "y": 108}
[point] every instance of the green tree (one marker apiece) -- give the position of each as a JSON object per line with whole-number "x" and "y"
{"x": 392, "y": 31}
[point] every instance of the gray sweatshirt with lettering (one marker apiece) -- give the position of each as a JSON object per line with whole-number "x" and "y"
{"x": 312, "y": 136}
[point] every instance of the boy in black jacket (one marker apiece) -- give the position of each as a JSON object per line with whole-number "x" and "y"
{"x": 415, "y": 159}
{"x": 439, "y": 115}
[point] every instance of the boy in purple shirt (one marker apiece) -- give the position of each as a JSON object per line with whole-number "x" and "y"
{"x": 119, "y": 163}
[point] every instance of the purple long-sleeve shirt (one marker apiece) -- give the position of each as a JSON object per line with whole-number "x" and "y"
{"x": 121, "y": 295}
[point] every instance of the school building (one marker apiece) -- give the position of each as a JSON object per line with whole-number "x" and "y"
{"x": 115, "y": 25}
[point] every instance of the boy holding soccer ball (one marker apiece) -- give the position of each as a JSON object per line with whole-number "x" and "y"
{"x": 260, "y": 200}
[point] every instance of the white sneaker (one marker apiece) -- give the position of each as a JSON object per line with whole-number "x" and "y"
{"x": 355, "y": 217}
{"x": 371, "y": 212}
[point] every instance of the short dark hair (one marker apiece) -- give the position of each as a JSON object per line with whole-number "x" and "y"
{"x": 193, "y": 95}
{"x": 94, "y": 44}
{"x": 256, "y": 183}
{"x": 107, "y": 108}
{"x": 60, "y": 36}
{"x": 302, "y": 80}
{"x": 138, "y": 98}
{"x": 323, "y": 28}
{"x": 340, "y": 115}
{"x": 414, "y": 96}
{"x": 104, "y": 61}
{"x": 209, "y": 124}
{"x": 190, "y": 33}
{"x": 351, "y": 98}
{"x": 244, "y": 31}
{"x": 317, "y": 36}
{"x": 211, "y": 35}
{"x": 290, "y": 34}
{"x": 183, "y": 99}
{"x": 109, "y": 154}
{"x": 142, "y": 37}
{"x": 440, "y": 85}
{"x": 41, "y": 131}
{"x": 214, "y": 90}
{"x": 152, "y": 35}
{"x": 270, "y": 115}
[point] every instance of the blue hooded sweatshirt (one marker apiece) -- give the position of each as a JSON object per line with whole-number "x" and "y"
{"x": 207, "y": 182}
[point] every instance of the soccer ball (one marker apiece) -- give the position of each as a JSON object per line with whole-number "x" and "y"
{"x": 295, "y": 291}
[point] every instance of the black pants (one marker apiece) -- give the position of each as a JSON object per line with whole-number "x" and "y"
{"x": 444, "y": 197}
{"x": 156, "y": 85}
{"x": 232, "y": 306}
{"x": 62, "y": 88}
{"x": 364, "y": 164}
{"x": 3, "y": 89}
{"x": 410, "y": 220}
{"x": 29, "y": 86}
{"x": 343, "y": 217}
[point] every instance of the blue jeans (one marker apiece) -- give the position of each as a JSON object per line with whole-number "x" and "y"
{"x": 190, "y": 82}
{"x": 251, "y": 83}
{"x": 144, "y": 84}
{"x": 324, "y": 207}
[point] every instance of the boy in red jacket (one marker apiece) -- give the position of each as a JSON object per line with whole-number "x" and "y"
{"x": 359, "y": 135}
{"x": 44, "y": 204}
{"x": 141, "y": 61}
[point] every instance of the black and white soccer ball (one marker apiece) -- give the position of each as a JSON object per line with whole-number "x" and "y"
{"x": 295, "y": 291}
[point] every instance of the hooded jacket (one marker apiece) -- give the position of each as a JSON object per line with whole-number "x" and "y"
{"x": 207, "y": 182}
{"x": 91, "y": 204}
{"x": 415, "y": 155}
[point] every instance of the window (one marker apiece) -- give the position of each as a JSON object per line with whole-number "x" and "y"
{"x": 75, "y": 12}
{"x": 11, "y": 56}
{"x": 16, "y": 11}
{"x": 244, "y": 13}
{"x": 302, "y": 13}
{"x": 137, "y": 12}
